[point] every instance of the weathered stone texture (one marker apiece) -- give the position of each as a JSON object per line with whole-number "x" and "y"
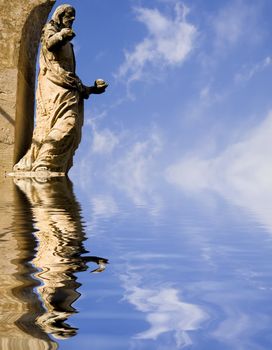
{"x": 17, "y": 299}
{"x": 20, "y": 26}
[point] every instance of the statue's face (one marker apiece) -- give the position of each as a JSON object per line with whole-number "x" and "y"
{"x": 68, "y": 18}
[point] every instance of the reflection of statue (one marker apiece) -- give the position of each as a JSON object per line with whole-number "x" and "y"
{"x": 60, "y": 238}
{"x": 19, "y": 304}
{"x": 60, "y": 94}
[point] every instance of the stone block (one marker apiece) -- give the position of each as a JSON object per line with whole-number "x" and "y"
{"x": 20, "y": 28}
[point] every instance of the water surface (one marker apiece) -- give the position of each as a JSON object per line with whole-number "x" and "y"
{"x": 93, "y": 270}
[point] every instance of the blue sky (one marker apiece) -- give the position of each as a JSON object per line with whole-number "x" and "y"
{"x": 189, "y": 97}
{"x": 184, "y": 130}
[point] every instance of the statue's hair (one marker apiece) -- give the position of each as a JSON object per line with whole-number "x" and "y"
{"x": 60, "y": 11}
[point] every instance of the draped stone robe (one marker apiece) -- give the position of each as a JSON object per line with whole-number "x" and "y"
{"x": 59, "y": 109}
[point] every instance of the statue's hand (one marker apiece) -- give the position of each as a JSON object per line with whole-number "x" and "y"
{"x": 67, "y": 33}
{"x": 98, "y": 88}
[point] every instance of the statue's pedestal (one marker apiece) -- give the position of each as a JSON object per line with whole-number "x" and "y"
{"x": 35, "y": 174}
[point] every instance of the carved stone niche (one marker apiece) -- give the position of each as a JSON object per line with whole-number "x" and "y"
{"x": 21, "y": 22}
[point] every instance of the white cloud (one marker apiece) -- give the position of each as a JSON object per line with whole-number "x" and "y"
{"x": 164, "y": 310}
{"x": 104, "y": 141}
{"x": 132, "y": 172}
{"x": 168, "y": 43}
{"x": 242, "y": 173}
{"x": 126, "y": 162}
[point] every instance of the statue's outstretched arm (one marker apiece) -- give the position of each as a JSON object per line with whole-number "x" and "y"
{"x": 99, "y": 87}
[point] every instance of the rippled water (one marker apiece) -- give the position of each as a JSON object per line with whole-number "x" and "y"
{"x": 95, "y": 271}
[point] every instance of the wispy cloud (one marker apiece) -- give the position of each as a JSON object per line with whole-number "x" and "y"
{"x": 241, "y": 173}
{"x": 104, "y": 206}
{"x": 221, "y": 50}
{"x": 232, "y": 23}
{"x": 209, "y": 96}
{"x": 133, "y": 171}
{"x": 164, "y": 310}
{"x": 104, "y": 141}
{"x": 124, "y": 161}
{"x": 168, "y": 42}
{"x": 248, "y": 72}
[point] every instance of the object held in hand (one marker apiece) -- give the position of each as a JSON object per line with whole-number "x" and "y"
{"x": 100, "y": 83}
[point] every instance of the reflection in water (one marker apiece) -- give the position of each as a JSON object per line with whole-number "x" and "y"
{"x": 46, "y": 261}
{"x": 165, "y": 312}
{"x": 101, "y": 262}
{"x": 19, "y": 305}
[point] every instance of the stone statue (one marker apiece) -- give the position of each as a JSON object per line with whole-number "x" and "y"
{"x": 59, "y": 99}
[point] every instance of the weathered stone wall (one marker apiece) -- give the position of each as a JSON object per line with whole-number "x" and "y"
{"x": 20, "y": 25}
{"x": 21, "y": 22}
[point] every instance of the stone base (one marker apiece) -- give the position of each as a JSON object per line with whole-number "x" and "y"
{"x": 35, "y": 174}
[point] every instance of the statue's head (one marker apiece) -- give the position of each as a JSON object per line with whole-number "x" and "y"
{"x": 64, "y": 15}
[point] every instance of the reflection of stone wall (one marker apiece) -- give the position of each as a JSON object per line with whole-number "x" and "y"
{"x": 17, "y": 250}
{"x": 20, "y": 27}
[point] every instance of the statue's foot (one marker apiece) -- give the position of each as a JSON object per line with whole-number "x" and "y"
{"x": 41, "y": 168}
{"x": 20, "y": 167}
